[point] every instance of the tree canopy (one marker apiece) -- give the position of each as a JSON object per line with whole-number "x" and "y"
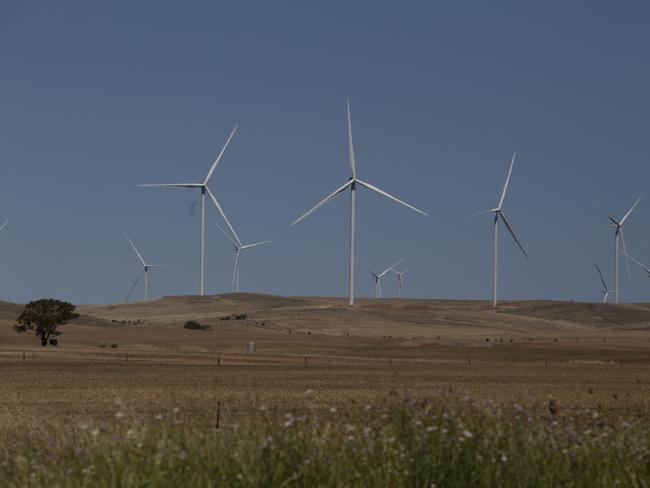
{"x": 44, "y": 316}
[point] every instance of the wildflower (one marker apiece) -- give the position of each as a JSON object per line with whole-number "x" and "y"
{"x": 158, "y": 417}
{"x": 177, "y": 409}
{"x": 263, "y": 408}
{"x": 332, "y": 409}
{"x": 467, "y": 434}
{"x": 119, "y": 415}
{"x": 504, "y": 458}
{"x": 130, "y": 434}
{"x": 94, "y": 432}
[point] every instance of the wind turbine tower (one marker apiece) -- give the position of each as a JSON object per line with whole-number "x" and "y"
{"x": 619, "y": 239}
{"x": 203, "y": 187}
{"x": 351, "y": 184}
{"x": 498, "y": 215}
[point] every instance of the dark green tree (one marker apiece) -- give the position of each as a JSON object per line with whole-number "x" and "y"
{"x": 44, "y": 316}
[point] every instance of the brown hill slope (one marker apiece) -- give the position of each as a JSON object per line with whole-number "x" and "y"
{"x": 389, "y": 316}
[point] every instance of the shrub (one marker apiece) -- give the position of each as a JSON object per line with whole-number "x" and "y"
{"x": 192, "y": 325}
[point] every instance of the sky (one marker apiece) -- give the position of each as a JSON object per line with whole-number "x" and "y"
{"x": 98, "y": 97}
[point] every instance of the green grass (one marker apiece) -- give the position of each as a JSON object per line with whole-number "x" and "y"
{"x": 446, "y": 441}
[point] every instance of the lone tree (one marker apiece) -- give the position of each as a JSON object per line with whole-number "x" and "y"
{"x": 44, "y": 316}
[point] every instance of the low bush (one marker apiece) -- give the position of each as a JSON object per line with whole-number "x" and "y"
{"x": 192, "y": 325}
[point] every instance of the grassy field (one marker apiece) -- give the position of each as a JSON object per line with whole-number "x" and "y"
{"x": 124, "y": 368}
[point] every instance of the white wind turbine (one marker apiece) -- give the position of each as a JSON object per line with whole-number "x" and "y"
{"x": 352, "y": 183}
{"x": 606, "y": 291}
{"x": 144, "y": 271}
{"x": 239, "y": 247}
{"x": 399, "y": 280}
{"x": 498, "y": 214}
{"x": 204, "y": 189}
{"x": 618, "y": 237}
{"x": 378, "y": 276}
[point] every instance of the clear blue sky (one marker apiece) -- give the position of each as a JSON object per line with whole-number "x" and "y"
{"x": 100, "y": 96}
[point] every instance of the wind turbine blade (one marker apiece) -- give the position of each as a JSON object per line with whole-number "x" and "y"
{"x": 383, "y": 193}
{"x": 505, "y": 186}
{"x": 503, "y": 217}
{"x": 637, "y": 262}
{"x": 631, "y": 210}
{"x": 216, "y": 204}
{"x": 157, "y": 265}
{"x": 372, "y": 272}
{"x": 325, "y": 200}
{"x": 135, "y": 249}
{"x": 601, "y": 277}
{"x": 248, "y": 246}
{"x": 171, "y": 185}
{"x": 479, "y": 213}
{"x": 627, "y": 256}
{"x": 614, "y": 221}
{"x": 216, "y": 161}
{"x": 4, "y": 224}
{"x": 237, "y": 246}
{"x": 353, "y": 165}
{"x": 392, "y": 267}
{"x": 401, "y": 273}
{"x": 134, "y": 284}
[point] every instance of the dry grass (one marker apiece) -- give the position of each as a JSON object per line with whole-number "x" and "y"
{"x": 524, "y": 354}
{"x": 321, "y": 367}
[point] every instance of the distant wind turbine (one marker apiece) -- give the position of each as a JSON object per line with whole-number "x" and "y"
{"x": 204, "y": 189}
{"x": 378, "y": 276}
{"x": 352, "y": 183}
{"x": 498, "y": 214}
{"x": 618, "y": 237}
{"x": 606, "y": 291}
{"x": 239, "y": 247}
{"x": 144, "y": 271}
{"x": 399, "y": 280}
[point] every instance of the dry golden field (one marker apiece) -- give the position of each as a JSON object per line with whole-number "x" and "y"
{"x": 317, "y": 352}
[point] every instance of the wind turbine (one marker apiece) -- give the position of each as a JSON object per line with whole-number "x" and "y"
{"x": 204, "y": 189}
{"x": 606, "y": 291}
{"x": 399, "y": 280}
{"x": 239, "y": 247}
{"x": 498, "y": 214}
{"x": 379, "y": 276}
{"x": 352, "y": 183}
{"x": 645, "y": 268}
{"x": 618, "y": 237}
{"x": 144, "y": 271}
